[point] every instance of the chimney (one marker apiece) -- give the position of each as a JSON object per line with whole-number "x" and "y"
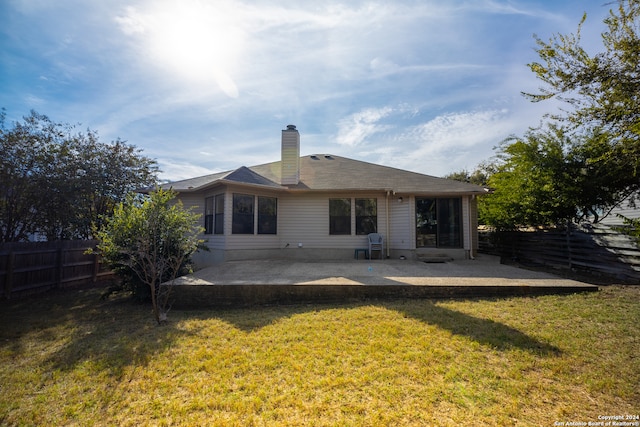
{"x": 290, "y": 158}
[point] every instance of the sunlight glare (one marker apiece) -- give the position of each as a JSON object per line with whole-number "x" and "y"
{"x": 200, "y": 41}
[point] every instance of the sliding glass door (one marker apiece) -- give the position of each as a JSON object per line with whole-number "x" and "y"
{"x": 438, "y": 222}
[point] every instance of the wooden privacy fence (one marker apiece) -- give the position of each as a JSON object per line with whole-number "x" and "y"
{"x": 34, "y": 267}
{"x": 595, "y": 248}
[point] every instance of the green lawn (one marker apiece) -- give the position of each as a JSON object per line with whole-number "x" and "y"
{"x": 72, "y": 359}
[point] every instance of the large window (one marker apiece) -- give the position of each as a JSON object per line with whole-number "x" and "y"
{"x": 339, "y": 216}
{"x": 242, "y": 221}
{"x": 267, "y": 215}
{"x": 214, "y": 214}
{"x": 438, "y": 223}
{"x": 218, "y": 227}
{"x": 208, "y": 215}
{"x": 245, "y": 213}
{"x": 366, "y": 216}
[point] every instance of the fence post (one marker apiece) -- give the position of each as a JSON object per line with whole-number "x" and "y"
{"x": 96, "y": 267}
{"x": 569, "y": 244}
{"x": 59, "y": 265}
{"x": 8, "y": 280}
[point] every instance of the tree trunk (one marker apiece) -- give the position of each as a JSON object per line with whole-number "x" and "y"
{"x": 154, "y": 303}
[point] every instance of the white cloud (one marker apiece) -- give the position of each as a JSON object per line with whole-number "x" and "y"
{"x": 176, "y": 171}
{"x": 509, "y": 8}
{"x": 35, "y": 101}
{"x": 460, "y": 129}
{"x": 446, "y": 143}
{"x": 131, "y": 22}
{"x": 356, "y": 128}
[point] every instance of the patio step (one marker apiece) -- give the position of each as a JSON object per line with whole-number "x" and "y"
{"x": 434, "y": 258}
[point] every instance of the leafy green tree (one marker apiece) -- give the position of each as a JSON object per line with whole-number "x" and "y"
{"x": 59, "y": 182}
{"x": 601, "y": 93}
{"x": 25, "y": 153}
{"x": 586, "y": 161}
{"x": 478, "y": 176}
{"x": 601, "y": 89}
{"x": 149, "y": 240}
{"x": 528, "y": 183}
{"x": 93, "y": 177}
{"x": 549, "y": 177}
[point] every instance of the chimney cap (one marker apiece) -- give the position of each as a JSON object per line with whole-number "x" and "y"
{"x": 291, "y": 127}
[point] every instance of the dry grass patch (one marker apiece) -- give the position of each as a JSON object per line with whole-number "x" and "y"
{"x": 71, "y": 359}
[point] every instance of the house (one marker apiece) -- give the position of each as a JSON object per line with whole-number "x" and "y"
{"x": 628, "y": 208}
{"x": 323, "y": 206}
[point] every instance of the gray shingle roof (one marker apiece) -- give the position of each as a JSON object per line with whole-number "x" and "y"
{"x": 322, "y": 172}
{"x": 197, "y": 183}
{"x": 244, "y": 175}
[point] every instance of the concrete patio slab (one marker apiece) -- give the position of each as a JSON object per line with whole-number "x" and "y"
{"x": 288, "y": 281}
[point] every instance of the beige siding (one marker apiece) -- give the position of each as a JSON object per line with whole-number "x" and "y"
{"x": 466, "y": 244}
{"x": 252, "y": 241}
{"x": 625, "y": 210}
{"x": 412, "y": 215}
{"x": 400, "y": 223}
{"x": 473, "y": 205}
{"x": 290, "y": 157}
{"x": 305, "y": 219}
{"x": 193, "y": 201}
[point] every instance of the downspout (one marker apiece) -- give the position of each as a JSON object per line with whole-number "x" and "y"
{"x": 388, "y": 215}
{"x": 470, "y": 221}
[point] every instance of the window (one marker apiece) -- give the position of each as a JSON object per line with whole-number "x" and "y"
{"x": 214, "y": 215}
{"x": 218, "y": 227}
{"x": 242, "y": 221}
{"x": 438, "y": 223}
{"x": 339, "y": 216}
{"x": 267, "y": 215}
{"x": 366, "y": 216}
{"x": 208, "y": 215}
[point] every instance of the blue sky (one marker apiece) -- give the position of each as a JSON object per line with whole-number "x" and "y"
{"x": 207, "y": 86}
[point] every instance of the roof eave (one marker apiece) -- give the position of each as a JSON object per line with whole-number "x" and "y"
{"x": 251, "y": 185}
{"x": 479, "y": 192}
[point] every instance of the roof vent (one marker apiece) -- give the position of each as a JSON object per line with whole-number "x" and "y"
{"x": 291, "y": 127}
{"x": 314, "y": 157}
{"x": 328, "y": 157}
